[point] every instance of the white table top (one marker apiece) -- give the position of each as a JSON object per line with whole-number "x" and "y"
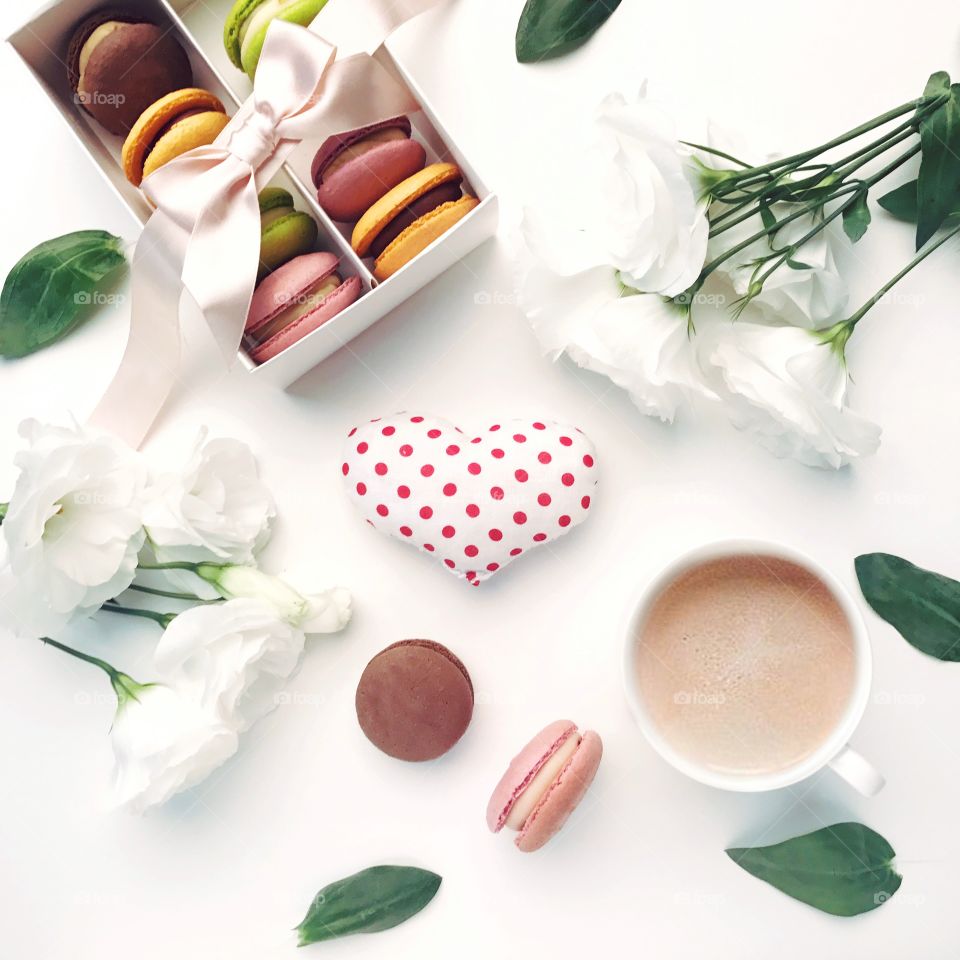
{"x": 228, "y": 869}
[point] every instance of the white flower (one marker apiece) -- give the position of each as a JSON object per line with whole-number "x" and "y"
{"x": 164, "y": 740}
{"x": 788, "y": 387}
{"x": 73, "y": 527}
{"x": 640, "y": 341}
{"x": 325, "y": 612}
{"x": 238, "y": 654}
{"x": 812, "y": 298}
{"x": 650, "y": 218}
{"x": 217, "y": 507}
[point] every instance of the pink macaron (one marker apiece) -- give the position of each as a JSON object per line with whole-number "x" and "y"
{"x": 353, "y": 170}
{"x": 544, "y": 783}
{"x": 293, "y": 301}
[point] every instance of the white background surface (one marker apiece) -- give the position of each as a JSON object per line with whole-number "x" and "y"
{"x": 228, "y": 869}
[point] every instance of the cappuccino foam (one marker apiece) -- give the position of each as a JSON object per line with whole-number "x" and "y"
{"x": 746, "y": 664}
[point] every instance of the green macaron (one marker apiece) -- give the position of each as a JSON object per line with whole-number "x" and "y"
{"x": 246, "y": 26}
{"x": 285, "y": 233}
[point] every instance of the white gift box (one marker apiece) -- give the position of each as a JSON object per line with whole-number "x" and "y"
{"x": 42, "y": 44}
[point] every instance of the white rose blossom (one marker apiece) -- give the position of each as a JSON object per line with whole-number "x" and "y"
{"x": 640, "y": 341}
{"x": 238, "y": 654}
{"x": 787, "y": 386}
{"x": 72, "y": 530}
{"x": 164, "y": 740}
{"x": 650, "y": 217}
{"x": 215, "y": 508}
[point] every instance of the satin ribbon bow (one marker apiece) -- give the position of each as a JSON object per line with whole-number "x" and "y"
{"x": 204, "y": 235}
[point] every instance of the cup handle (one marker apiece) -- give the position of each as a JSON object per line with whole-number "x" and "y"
{"x": 857, "y": 771}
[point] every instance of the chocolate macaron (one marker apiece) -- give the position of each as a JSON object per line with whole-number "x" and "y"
{"x": 352, "y": 170}
{"x": 414, "y": 700}
{"x": 118, "y": 65}
{"x": 408, "y": 218}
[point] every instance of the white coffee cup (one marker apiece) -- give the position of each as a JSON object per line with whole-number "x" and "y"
{"x": 835, "y": 752}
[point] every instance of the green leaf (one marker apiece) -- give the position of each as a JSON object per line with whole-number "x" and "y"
{"x": 46, "y": 293}
{"x": 844, "y": 869}
{"x": 856, "y": 217}
{"x": 901, "y": 202}
{"x": 923, "y": 606}
{"x": 767, "y": 217}
{"x": 938, "y": 185}
{"x": 551, "y": 28}
{"x": 369, "y": 901}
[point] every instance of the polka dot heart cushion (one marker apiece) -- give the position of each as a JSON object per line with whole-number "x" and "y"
{"x": 473, "y": 502}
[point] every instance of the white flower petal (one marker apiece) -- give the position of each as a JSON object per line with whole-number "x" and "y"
{"x": 164, "y": 742}
{"x": 73, "y": 527}
{"x": 788, "y": 389}
{"x": 216, "y": 508}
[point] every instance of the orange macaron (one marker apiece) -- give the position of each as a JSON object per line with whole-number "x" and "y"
{"x": 408, "y": 218}
{"x": 169, "y": 127}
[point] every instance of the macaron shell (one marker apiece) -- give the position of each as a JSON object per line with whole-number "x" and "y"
{"x": 414, "y": 700}
{"x": 337, "y": 142}
{"x": 400, "y": 196}
{"x": 160, "y": 114}
{"x": 231, "y": 28}
{"x": 523, "y": 768}
{"x": 420, "y": 234}
{"x": 130, "y": 69}
{"x": 285, "y": 239}
{"x": 196, "y": 131}
{"x": 329, "y": 307}
{"x": 302, "y": 13}
{"x": 562, "y": 798}
{"x": 352, "y": 189}
{"x": 286, "y": 283}
{"x": 82, "y": 33}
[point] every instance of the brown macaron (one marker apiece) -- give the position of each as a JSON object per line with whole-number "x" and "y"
{"x": 414, "y": 700}
{"x": 118, "y": 65}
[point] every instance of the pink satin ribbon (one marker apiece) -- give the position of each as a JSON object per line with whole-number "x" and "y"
{"x": 204, "y": 235}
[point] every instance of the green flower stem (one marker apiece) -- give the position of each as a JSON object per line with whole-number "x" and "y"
{"x": 164, "y": 619}
{"x": 854, "y": 187}
{"x": 817, "y": 228}
{"x": 922, "y": 106}
{"x": 855, "y": 318}
{"x": 839, "y": 173}
{"x": 3, "y": 511}
{"x": 86, "y": 657}
{"x": 169, "y": 565}
{"x": 173, "y": 594}
{"x": 125, "y": 687}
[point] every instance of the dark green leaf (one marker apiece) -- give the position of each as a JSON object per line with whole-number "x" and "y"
{"x": 856, "y": 217}
{"x": 901, "y": 202}
{"x": 767, "y": 217}
{"x": 551, "y": 28}
{"x": 797, "y": 264}
{"x": 369, "y": 901}
{"x": 938, "y": 185}
{"x": 46, "y": 293}
{"x": 844, "y": 869}
{"x": 923, "y": 606}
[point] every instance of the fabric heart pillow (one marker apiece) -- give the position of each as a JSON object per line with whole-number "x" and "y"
{"x": 473, "y": 502}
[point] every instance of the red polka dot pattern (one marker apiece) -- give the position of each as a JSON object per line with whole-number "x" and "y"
{"x": 524, "y": 482}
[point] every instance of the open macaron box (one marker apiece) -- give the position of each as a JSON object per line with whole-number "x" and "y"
{"x": 198, "y": 24}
